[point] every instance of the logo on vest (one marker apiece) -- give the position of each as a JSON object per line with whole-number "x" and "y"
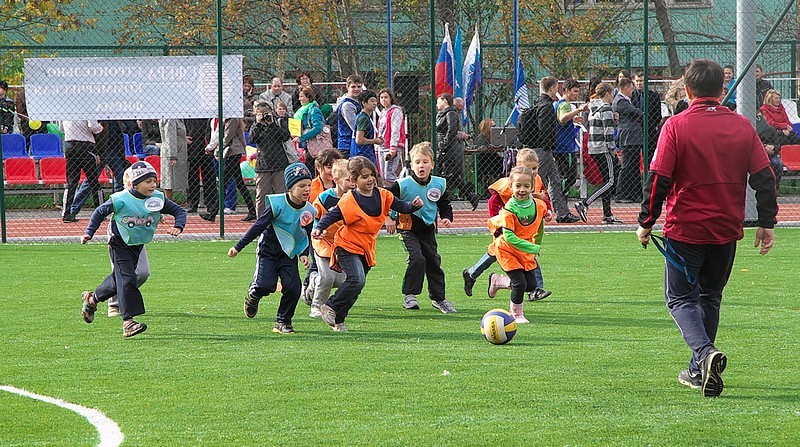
{"x": 153, "y": 204}
{"x": 135, "y": 220}
{"x": 306, "y": 218}
{"x": 434, "y": 194}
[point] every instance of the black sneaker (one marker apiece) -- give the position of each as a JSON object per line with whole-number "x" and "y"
{"x": 612, "y": 220}
{"x": 445, "y": 306}
{"x": 474, "y": 200}
{"x": 251, "y": 306}
{"x": 580, "y": 207}
{"x": 209, "y": 217}
{"x": 692, "y": 381}
{"x": 69, "y": 218}
{"x": 469, "y": 282}
{"x": 568, "y": 218}
{"x": 283, "y": 328}
{"x": 539, "y": 294}
{"x": 711, "y": 369}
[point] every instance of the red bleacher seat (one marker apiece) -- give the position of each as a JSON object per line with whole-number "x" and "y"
{"x": 53, "y": 170}
{"x": 155, "y": 160}
{"x": 790, "y": 155}
{"x": 132, "y": 159}
{"x": 103, "y": 178}
{"x": 21, "y": 171}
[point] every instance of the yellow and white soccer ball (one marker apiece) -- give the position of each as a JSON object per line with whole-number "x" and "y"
{"x": 498, "y": 326}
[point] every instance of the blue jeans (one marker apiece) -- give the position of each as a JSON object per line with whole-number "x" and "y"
{"x": 151, "y": 149}
{"x": 356, "y": 269}
{"x": 483, "y": 263}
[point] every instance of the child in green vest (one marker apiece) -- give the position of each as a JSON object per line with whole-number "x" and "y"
{"x": 136, "y": 213}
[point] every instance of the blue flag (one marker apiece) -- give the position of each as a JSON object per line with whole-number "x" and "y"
{"x": 458, "y": 63}
{"x": 521, "y": 99}
{"x": 472, "y": 70}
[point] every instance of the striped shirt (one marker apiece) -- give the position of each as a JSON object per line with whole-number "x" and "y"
{"x": 601, "y": 127}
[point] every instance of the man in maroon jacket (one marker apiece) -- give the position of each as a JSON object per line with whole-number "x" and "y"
{"x": 700, "y": 168}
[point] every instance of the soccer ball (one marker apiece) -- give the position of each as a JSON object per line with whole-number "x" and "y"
{"x": 498, "y": 326}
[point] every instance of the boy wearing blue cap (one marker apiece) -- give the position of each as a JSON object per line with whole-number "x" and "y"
{"x": 284, "y": 229}
{"x": 136, "y": 213}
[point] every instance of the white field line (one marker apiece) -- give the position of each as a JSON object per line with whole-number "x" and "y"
{"x": 110, "y": 434}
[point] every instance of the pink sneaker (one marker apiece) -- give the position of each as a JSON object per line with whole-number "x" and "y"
{"x": 498, "y": 282}
{"x": 516, "y": 311}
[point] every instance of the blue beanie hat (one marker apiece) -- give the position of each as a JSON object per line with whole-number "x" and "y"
{"x": 294, "y": 173}
{"x": 141, "y": 171}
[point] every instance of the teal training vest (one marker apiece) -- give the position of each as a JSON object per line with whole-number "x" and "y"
{"x": 430, "y": 194}
{"x": 287, "y": 224}
{"x": 137, "y": 219}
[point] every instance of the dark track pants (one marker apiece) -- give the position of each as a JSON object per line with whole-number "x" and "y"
{"x": 122, "y": 281}
{"x": 270, "y": 267}
{"x": 423, "y": 260}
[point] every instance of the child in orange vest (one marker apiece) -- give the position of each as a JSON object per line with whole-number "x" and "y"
{"x": 500, "y": 194}
{"x": 517, "y": 230}
{"x": 363, "y": 211}
{"x": 326, "y": 279}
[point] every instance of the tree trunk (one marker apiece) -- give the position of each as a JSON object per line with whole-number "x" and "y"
{"x": 664, "y": 23}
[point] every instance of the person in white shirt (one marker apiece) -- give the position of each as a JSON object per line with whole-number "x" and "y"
{"x": 81, "y": 155}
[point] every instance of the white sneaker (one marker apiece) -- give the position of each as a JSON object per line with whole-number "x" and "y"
{"x": 228, "y": 211}
{"x": 113, "y": 311}
{"x": 315, "y": 312}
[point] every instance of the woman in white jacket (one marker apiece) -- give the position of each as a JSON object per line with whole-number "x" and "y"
{"x": 392, "y": 128}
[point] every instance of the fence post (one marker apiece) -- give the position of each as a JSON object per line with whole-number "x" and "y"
{"x": 2, "y": 194}
{"x": 328, "y": 68}
{"x": 628, "y": 56}
{"x": 793, "y": 64}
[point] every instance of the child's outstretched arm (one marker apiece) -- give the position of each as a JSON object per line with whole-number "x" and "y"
{"x": 98, "y": 216}
{"x": 255, "y": 230}
{"x": 179, "y": 213}
{"x": 334, "y": 215}
{"x": 401, "y": 206}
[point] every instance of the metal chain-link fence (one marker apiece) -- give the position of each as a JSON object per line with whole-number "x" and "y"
{"x": 39, "y": 155}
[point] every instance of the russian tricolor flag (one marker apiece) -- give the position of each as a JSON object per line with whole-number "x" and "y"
{"x": 445, "y": 65}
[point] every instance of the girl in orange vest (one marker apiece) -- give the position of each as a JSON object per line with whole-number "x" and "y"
{"x": 514, "y": 229}
{"x": 363, "y": 210}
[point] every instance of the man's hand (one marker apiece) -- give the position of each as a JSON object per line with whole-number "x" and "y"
{"x": 446, "y": 223}
{"x": 85, "y": 238}
{"x": 304, "y": 261}
{"x": 644, "y": 235}
{"x": 766, "y": 238}
{"x": 391, "y": 228}
{"x": 232, "y": 252}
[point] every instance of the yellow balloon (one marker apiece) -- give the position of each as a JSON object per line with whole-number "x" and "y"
{"x": 35, "y": 124}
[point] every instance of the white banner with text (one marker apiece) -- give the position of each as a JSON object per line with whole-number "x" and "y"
{"x": 105, "y": 88}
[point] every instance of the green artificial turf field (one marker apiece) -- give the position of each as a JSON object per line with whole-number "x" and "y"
{"x": 596, "y": 366}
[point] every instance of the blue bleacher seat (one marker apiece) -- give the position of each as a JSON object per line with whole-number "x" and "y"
{"x": 796, "y": 128}
{"x": 127, "y": 141}
{"x": 14, "y": 146}
{"x": 45, "y": 145}
{"x": 247, "y": 138}
{"x": 138, "y": 145}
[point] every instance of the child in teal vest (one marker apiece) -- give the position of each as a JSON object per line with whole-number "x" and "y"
{"x": 283, "y": 229}
{"x": 418, "y": 230}
{"x": 136, "y": 213}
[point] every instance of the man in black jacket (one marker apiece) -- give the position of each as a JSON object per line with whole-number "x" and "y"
{"x": 450, "y": 148}
{"x": 545, "y": 143}
{"x": 653, "y": 113}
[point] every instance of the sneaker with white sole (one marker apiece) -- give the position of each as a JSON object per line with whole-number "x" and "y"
{"x": 445, "y": 306}
{"x": 410, "y": 302}
{"x": 581, "y": 207}
{"x": 339, "y": 327}
{"x": 282, "y": 328}
{"x": 539, "y": 294}
{"x": 228, "y": 211}
{"x": 328, "y": 315}
{"x": 131, "y": 328}
{"x": 89, "y": 306}
{"x": 692, "y": 381}
{"x": 469, "y": 282}
{"x": 113, "y": 311}
{"x": 315, "y": 312}
{"x": 711, "y": 369}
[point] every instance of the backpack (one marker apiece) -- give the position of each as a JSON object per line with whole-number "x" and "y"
{"x": 528, "y": 128}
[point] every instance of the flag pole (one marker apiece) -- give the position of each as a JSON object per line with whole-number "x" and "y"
{"x": 389, "y": 43}
{"x": 516, "y": 39}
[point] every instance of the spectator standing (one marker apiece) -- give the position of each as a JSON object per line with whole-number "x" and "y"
{"x": 546, "y": 139}
{"x": 450, "y": 148}
{"x": 364, "y": 137}
{"x": 81, "y": 155}
{"x": 727, "y": 83}
{"x": 762, "y": 85}
{"x": 111, "y": 151}
{"x": 701, "y": 170}
{"x": 347, "y": 108}
{"x": 773, "y": 140}
{"x": 174, "y": 157}
{"x": 200, "y": 165}
{"x": 276, "y": 94}
{"x": 653, "y": 113}
{"x": 392, "y": 129}
{"x": 7, "y": 109}
{"x": 233, "y": 148}
{"x": 566, "y": 147}
{"x": 249, "y": 97}
{"x": 303, "y": 80}
{"x": 629, "y": 140}
{"x": 268, "y": 135}
{"x": 311, "y": 123}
